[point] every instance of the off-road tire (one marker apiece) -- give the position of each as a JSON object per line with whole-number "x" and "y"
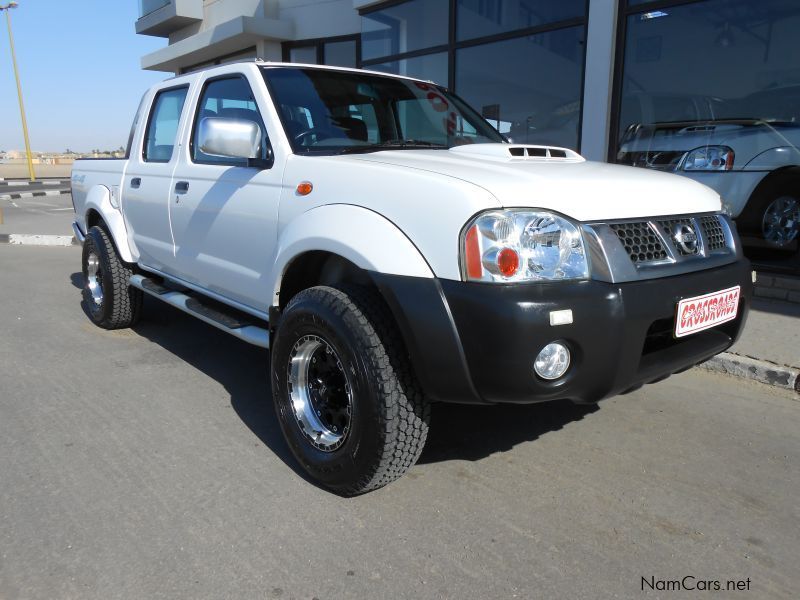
{"x": 390, "y": 416}
{"x": 121, "y": 305}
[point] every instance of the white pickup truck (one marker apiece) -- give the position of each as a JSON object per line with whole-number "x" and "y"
{"x": 393, "y": 250}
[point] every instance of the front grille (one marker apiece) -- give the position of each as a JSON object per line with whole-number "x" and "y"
{"x": 640, "y": 241}
{"x": 663, "y": 161}
{"x": 667, "y": 227}
{"x": 657, "y": 247}
{"x": 715, "y": 236}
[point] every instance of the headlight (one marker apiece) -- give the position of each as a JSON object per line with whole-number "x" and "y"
{"x": 522, "y": 245}
{"x": 709, "y": 158}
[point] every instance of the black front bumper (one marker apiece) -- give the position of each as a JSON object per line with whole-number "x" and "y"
{"x": 476, "y": 343}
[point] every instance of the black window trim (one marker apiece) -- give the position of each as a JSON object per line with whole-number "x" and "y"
{"x": 206, "y": 83}
{"x": 152, "y": 106}
{"x": 624, "y": 11}
{"x": 134, "y": 126}
{"x": 453, "y": 45}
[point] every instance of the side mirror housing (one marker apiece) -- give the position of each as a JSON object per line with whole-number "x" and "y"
{"x": 230, "y": 138}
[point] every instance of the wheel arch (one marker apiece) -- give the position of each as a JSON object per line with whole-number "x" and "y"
{"x": 98, "y": 209}
{"x": 359, "y": 237}
{"x": 771, "y": 179}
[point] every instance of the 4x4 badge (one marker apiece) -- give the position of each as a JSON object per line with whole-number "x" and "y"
{"x": 685, "y": 238}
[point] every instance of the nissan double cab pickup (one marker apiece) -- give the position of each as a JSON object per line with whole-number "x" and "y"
{"x": 393, "y": 250}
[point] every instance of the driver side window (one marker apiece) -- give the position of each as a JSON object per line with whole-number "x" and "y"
{"x": 229, "y": 98}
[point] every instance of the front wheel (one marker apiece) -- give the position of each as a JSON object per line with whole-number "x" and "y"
{"x": 347, "y": 401}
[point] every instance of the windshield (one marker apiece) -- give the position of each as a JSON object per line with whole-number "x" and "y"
{"x": 332, "y": 112}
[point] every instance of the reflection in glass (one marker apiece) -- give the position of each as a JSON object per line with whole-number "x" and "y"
{"x": 341, "y": 54}
{"x": 306, "y": 55}
{"x": 478, "y": 18}
{"x": 148, "y": 6}
{"x": 528, "y": 87}
{"x": 347, "y": 112}
{"x": 403, "y": 28}
{"x": 718, "y": 73}
{"x": 431, "y": 67}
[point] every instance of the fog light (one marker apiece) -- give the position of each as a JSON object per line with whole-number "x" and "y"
{"x": 552, "y": 362}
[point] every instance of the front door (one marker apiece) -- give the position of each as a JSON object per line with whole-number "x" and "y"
{"x": 224, "y": 213}
{"x": 147, "y": 187}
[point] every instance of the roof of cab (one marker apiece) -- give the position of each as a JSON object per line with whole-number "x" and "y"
{"x": 265, "y": 63}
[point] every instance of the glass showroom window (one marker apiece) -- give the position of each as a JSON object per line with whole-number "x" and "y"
{"x": 406, "y": 27}
{"x": 306, "y": 55}
{"x": 480, "y": 18}
{"x": 703, "y": 62}
{"x": 431, "y": 67}
{"x": 338, "y": 52}
{"x": 528, "y": 87}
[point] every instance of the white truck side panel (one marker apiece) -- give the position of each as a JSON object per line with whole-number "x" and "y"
{"x": 362, "y": 236}
{"x": 96, "y": 185}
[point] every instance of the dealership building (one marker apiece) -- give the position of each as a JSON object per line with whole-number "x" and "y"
{"x": 574, "y": 73}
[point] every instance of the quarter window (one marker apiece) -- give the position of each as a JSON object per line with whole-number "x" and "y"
{"x": 162, "y": 128}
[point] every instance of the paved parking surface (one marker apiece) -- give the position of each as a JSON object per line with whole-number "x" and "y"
{"x": 148, "y": 464}
{"x": 41, "y": 215}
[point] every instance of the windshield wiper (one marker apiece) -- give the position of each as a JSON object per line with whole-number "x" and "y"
{"x": 394, "y": 145}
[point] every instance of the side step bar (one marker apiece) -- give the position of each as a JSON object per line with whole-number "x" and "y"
{"x": 252, "y": 334}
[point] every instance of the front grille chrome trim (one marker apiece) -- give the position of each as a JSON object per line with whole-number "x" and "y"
{"x": 612, "y": 254}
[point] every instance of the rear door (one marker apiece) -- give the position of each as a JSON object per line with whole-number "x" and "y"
{"x": 224, "y": 213}
{"x": 147, "y": 187}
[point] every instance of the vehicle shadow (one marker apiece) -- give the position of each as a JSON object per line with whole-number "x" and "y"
{"x": 464, "y": 432}
{"x": 458, "y": 432}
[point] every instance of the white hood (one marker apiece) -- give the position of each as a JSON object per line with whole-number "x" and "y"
{"x": 586, "y": 191}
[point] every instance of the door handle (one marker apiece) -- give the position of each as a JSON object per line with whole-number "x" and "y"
{"x": 181, "y": 187}
{"x": 136, "y": 182}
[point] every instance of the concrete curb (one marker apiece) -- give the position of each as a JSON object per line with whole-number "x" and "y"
{"x": 31, "y": 239}
{"x": 754, "y": 369}
{"x": 777, "y": 287}
{"x": 22, "y": 195}
{"x": 22, "y": 183}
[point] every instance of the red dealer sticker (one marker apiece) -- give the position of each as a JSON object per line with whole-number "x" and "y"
{"x": 703, "y": 312}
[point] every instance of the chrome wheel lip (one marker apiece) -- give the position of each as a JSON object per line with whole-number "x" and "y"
{"x": 780, "y": 224}
{"x": 94, "y": 280}
{"x": 301, "y": 399}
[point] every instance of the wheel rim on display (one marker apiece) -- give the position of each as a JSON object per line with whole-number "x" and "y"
{"x": 320, "y": 393}
{"x": 94, "y": 280}
{"x": 781, "y": 223}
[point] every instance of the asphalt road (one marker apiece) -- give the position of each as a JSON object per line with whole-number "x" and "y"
{"x": 49, "y": 215}
{"x": 148, "y": 464}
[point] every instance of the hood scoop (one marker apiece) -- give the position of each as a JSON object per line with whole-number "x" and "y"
{"x": 515, "y": 152}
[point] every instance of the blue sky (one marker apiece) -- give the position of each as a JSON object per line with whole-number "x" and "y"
{"x": 79, "y": 66}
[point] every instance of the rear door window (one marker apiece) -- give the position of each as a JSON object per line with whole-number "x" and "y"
{"x": 162, "y": 128}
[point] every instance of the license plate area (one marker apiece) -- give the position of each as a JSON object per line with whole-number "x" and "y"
{"x": 704, "y": 312}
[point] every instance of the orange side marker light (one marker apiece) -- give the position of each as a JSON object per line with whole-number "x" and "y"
{"x": 304, "y": 188}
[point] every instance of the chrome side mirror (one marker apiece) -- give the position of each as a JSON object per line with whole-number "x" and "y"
{"x": 230, "y": 138}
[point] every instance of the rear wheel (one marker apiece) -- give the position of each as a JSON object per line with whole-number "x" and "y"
{"x": 347, "y": 401}
{"x": 780, "y": 223}
{"x": 110, "y": 301}
{"x": 773, "y": 213}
